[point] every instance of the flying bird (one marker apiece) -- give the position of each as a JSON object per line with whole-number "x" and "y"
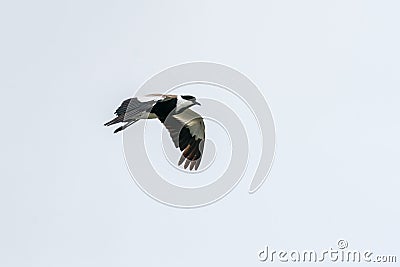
{"x": 185, "y": 126}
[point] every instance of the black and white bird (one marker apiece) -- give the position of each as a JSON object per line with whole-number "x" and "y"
{"x": 185, "y": 126}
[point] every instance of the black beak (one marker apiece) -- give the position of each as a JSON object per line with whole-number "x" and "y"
{"x": 197, "y": 103}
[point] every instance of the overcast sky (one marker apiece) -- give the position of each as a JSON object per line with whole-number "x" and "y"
{"x": 330, "y": 73}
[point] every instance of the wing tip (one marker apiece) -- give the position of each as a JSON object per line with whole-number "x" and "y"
{"x": 119, "y": 129}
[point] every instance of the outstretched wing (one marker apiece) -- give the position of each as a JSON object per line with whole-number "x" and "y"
{"x": 133, "y": 108}
{"x": 187, "y": 131}
{"x": 133, "y": 105}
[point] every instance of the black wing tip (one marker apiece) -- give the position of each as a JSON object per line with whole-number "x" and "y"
{"x": 114, "y": 121}
{"x": 192, "y": 164}
{"x": 181, "y": 160}
{"x": 119, "y": 129}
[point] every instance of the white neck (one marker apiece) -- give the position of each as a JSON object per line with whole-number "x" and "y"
{"x": 182, "y": 104}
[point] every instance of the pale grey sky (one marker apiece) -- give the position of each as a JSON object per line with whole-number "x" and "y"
{"x": 329, "y": 70}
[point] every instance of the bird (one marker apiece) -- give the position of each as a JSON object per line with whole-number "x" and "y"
{"x": 186, "y": 127}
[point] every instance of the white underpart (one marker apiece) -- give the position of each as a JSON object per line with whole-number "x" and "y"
{"x": 193, "y": 121}
{"x": 182, "y": 104}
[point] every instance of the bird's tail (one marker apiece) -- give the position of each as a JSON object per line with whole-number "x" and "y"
{"x": 124, "y": 126}
{"x": 114, "y": 121}
{"x": 119, "y": 129}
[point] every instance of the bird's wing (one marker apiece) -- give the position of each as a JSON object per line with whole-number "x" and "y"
{"x": 134, "y": 108}
{"x": 187, "y": 131}
{"x": 161, "y": 96}
{"x": 136, "y": 103}
{"x": 130, "y": 109}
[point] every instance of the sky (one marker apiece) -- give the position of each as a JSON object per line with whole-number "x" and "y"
{"x": 329, "y": 72}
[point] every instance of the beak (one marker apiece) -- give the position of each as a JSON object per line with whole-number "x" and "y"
{"x": 197, "y": 103}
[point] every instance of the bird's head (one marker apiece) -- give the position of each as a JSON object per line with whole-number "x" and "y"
{"x": 186, "y": 101}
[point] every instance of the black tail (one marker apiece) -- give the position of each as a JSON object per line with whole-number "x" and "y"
{"x": 119, "y": 129}
{"x": 114, "y": 121}
{"x": 126, "y": 125}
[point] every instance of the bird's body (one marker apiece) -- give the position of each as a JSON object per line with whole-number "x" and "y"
{"x": 185, "y": 126}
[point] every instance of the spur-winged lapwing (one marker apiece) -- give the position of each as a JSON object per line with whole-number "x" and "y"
{"x": 185, "y": 126}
